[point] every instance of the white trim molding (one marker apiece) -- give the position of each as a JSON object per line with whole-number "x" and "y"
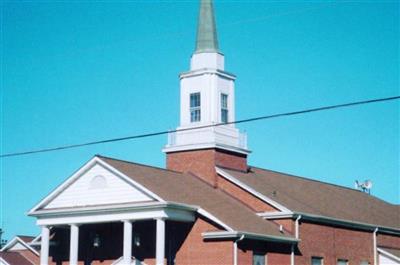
{"x": 252, "y": 191}
{"x": 275, "y": 215}
{"x": 214, "y": 219}
{"x": 2, "y": 261}
{"x": 171, "y": 211}
{"x": 391, "y": 256}
{"x": 16, "y": 240}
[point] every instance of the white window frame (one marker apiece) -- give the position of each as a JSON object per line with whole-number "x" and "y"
{"x": 224, "y": 107}
{"x": 195, "y": 109}
{"x": 317, "y": 257}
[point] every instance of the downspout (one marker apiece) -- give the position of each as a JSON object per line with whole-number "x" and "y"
{"x": 235, "y": 259}
{"x": 297, "y": 237}
{"x": 375, "y": 247}
{"x": 297, "y": 226}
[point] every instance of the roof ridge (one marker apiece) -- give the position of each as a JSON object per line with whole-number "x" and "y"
{"x": 323, "y": 182}
{"x": 138, "y": 164}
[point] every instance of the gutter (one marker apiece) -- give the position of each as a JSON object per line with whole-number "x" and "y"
{"x": 331, "y": 220}
{"x": 238, "y": 234}
{"x": 351, "y": 224}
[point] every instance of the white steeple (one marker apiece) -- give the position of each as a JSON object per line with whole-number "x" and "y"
{"x": 207, "y": 96}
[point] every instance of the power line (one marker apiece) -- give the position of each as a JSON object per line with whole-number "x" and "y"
{"x": 273, "y": 116}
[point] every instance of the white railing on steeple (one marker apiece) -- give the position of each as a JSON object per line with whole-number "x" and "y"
{"x": 243, "y": 140}
{"x": 171, "y": 138}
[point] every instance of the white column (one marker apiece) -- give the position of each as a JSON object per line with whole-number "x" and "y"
{"x": 127, "y": 242}
{"x": 160, "y": 241}
{"x": 74, "y": 245}
{"x": 44, "y": 246}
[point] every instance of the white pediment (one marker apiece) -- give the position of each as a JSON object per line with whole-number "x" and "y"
{"x": 97, "y": 185}
{"x": 17, "y": 246}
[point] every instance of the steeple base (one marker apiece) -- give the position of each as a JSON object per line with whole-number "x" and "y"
{"x": 202, "y": 162}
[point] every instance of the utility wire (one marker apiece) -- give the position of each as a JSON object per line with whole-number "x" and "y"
{"x": 273, "y": 116}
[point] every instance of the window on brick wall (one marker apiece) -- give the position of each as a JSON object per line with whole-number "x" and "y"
{"x": 195, "y": 114}
{"x": 342, "y": 262}
{"x": 258, "y": 258}
{"x": 364, "y": 262}
{"x": 317, "y": 261}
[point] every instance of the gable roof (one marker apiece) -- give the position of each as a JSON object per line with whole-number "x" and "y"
{"x": 26, "y": 239}
{"x": 23, "y": 241}
{"x": 14, "y": 258}
{"x": 173, "y": 186}
{"x": 303, "y": 195}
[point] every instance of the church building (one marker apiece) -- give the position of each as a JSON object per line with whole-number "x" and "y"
{"x": 209, "y": 206}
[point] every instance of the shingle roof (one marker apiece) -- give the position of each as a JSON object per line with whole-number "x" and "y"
{"x": 188, "y": 189}
{"x": 26, "y": 239}
{"x": 314, "y": 197}
{"x": 15, "y": 258}
{"x": 394, "y": 251}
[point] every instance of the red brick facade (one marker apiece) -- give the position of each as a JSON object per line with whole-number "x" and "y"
{"x": 202, "y": 162}
{"x": 317, "y": 240}
{"x": 245, "y": 197}
{"x": 332, "y": 243}
{"x": 194, "y": 251}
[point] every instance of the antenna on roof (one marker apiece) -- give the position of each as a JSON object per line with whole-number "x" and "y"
{"x": 365, "y": 186}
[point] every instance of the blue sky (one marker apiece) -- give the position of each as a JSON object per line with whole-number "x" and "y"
{"x": 82, "y": 71}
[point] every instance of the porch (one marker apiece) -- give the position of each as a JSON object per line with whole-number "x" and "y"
{"x": 149, "y": 235}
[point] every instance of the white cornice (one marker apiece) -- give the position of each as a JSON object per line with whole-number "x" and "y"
{"x": 208, "y": 71}
{"x": 252, "y": 191}
{"x": 179, "y": 148}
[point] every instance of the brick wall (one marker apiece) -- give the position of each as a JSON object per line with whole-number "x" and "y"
{"x": 245, "y": 197}
{"x": 30, "y": 256}
{"x": 194, "y": 251}
{"x": 332, "y": 243}
{"x": 203, "y": 162}
{"x": 388, "y": 241}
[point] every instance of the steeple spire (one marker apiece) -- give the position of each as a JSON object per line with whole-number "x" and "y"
{"x": 207, "y": 40}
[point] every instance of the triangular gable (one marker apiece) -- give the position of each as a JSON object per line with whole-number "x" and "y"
{"x": 96, "y": 183}
{"x": 18, "y": 244}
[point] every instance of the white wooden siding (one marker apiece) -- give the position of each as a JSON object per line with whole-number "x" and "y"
{"x": 97, "y": 186}
{"x": 17, "y": 246}
{"x": 384, "y": 260}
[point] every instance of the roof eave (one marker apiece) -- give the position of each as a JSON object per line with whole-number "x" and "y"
{"x": 232, "y": 235}
{"x": 347, "y": 223}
